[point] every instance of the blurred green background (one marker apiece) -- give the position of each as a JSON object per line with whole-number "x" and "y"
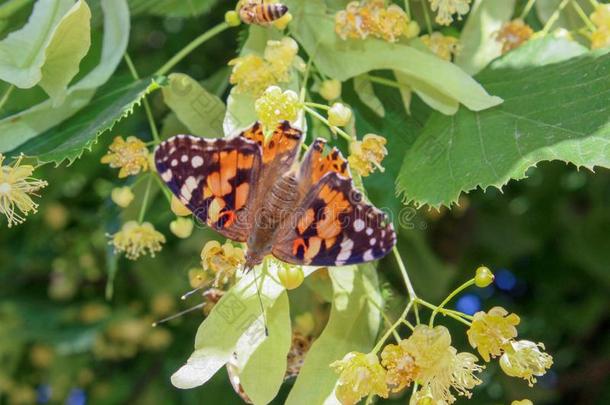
{"x": 547, "y": 238}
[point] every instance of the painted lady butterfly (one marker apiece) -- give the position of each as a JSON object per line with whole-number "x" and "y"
{"x": 308, "y": 213}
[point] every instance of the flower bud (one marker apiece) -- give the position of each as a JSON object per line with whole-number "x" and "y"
{"x": 283, "y": 22}
{"x": 178, "y": 208}
{"x": 181, "y": 227}
{"x": 413, "y": 29}
{"x": 330, "y": 89}
{"x": 339, "y": 115}
{"x": 291, "y": 277}
{"x": 484, "y": 277}
{"x": 122, "y": 196}
{"x": 232, "y": 18}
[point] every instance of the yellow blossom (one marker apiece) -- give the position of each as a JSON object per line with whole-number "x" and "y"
{"x": 445, "y": 47}
{"x": 483, "y": 277}
{"x": 339, "y": 115}
{"x": 367, "y": 155}
{"x": 400, "y": 366}
{"x": 181, "y": 227}
{"x": 131, "y": 155}
{"x": 522, "y": 402}
{"x": 491, "y": 331}
{"x": 513, "y": 34}
{"x": 253, "y": 74}
{"x": 16, "y": 186}
{"x": 600, "y": 38}
{"x": 136, "y": 240}
{"x": 197, "y": 277}
{"x": 446, "y": 8}
{"x": 360, "y": 375}
{"x": 439, "y": 368}
{"x": 371, "y": 17}
{"x": 275, "y": 106}
{"x": 221, "y": 260}
{"x": 179, "y": 208}
{"x": 524, "y": 359}
{"x": 122, "y": 196}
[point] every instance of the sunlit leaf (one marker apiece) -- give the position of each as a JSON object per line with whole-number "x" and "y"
{"x": 171, "y": 8}
{"x": 19, "y": 128}
{"x": 425, "y": 73}
{"x": 201, "y": 111}
{"x": 352, "y": 326}
{"x": 67, "y": 142}
{"x": 236, "y": 316}
{"x": 553, "y": 112}
{"x": 477, "y": 40}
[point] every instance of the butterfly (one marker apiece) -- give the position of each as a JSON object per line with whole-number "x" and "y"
{"x": 305, "y": 212}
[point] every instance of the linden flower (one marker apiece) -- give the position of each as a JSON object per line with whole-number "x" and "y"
{"x": 16, "y": 186}
{"x": 130, "y": 154}
{"x": 446, "y": 8}
{"x": 400, "y": 366}
{"x": 491, "y": 331}
{"x": 524, "y": 359}
{"x": 275, "y": 106}
{"x": 221, "y": 260}
{"x": 359, "y": 20}
{"x": 522, "y": 402}
{"x": 366, "y": 155}
{"x": 360, "y": 375}
{"x": 254, "y": 74}
{"x": 445, "y": 47}
{"x": 137, "y": 240}
{"x": 439, "y": 367}
{"x": 513, "y": 34}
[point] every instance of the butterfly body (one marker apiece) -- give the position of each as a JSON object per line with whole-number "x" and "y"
{"x": 257, "y": 192}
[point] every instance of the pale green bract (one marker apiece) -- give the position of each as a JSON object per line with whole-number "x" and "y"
{"x": 21, "y": 127}
{"x": 365, "y": 91}
{"x": 236, "y": 322}
{"x": 478, "y": 45}
{"x": 442, "y": 84}
{"x": 353, "y": 325}
{"x": 557, "y": 111}
{"x": 201, "y": 111}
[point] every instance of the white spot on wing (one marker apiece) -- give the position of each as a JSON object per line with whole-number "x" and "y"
{"x": 346, "y": 250}
{"x": 358, "y": 225}
{"x": 197, "y": 161}
{"x": 166, "y": 175}
{"x": 174, "y": 163}
{"x": 373, "y": 241}
{"x": 186, "y": 191}
{"x": 369, "y": 231}
{"x": 368, "y": 255}
{"x": 184, "y": 158}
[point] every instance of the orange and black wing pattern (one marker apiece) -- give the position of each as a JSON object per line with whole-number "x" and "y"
{"x": 214, "y": 178}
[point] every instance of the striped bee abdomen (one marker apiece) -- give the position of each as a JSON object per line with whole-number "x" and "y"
{"x": 261, "y": 13}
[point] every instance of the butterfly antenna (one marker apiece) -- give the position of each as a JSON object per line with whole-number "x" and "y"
{"x": 188, "y": 294}
{"x": 260, "y": 299}
{"x": 178, "y": 315}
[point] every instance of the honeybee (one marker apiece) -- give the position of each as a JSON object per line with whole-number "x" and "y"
{"x": 261, "y": 13}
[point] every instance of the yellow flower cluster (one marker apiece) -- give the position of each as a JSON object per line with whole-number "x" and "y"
{"x": 254, "y": 74}
{"x": 275, "y": 106}
{"x": 221, "y": 260}
{"x": 135, "y": 240}
{"x": 445, "y": 9}
{"x": 366, "y": 155}
{"x": 371, "y": 17}
{"x": 601, "y": 18}
{"x": 513, "y": 34}
{"x": 445, "y": 47}
{"x": 426, "y": 357}
{"x": 16, "y": 186}
{"x": 131, "y": 155}
{"x": 492, "y": 333}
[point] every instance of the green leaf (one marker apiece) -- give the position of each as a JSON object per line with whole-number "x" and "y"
{"x": 236, "y": 316}
{"x": 366, "y": 93}
{"x": 22, "y": 52}
{"x": 263, "y": 373}
{"x": 478, "y": 45}
{"x": 201, "y": 111}
{"x": 68, "y": 141}
{"x": 69, "y": 45}
{"x": 352, "y": 326}
{"x": 21, "y": 127}
{"x": 424, "y": 72}
{"x": 553, "y": 112}
{"x": 172, "y": 8}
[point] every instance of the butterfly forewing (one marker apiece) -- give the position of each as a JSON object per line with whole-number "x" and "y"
{"x": 214, "y": 178}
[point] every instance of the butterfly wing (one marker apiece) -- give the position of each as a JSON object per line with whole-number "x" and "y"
{"x": 214, "y": 178}
{"x": 334, "y": 227}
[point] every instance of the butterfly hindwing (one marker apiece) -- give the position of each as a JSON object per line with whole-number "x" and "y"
{"x": 334, "y": 227}
{"x": 214, "y": 178}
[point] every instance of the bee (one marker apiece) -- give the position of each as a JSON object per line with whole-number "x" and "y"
{"x": 260, "y": 13}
